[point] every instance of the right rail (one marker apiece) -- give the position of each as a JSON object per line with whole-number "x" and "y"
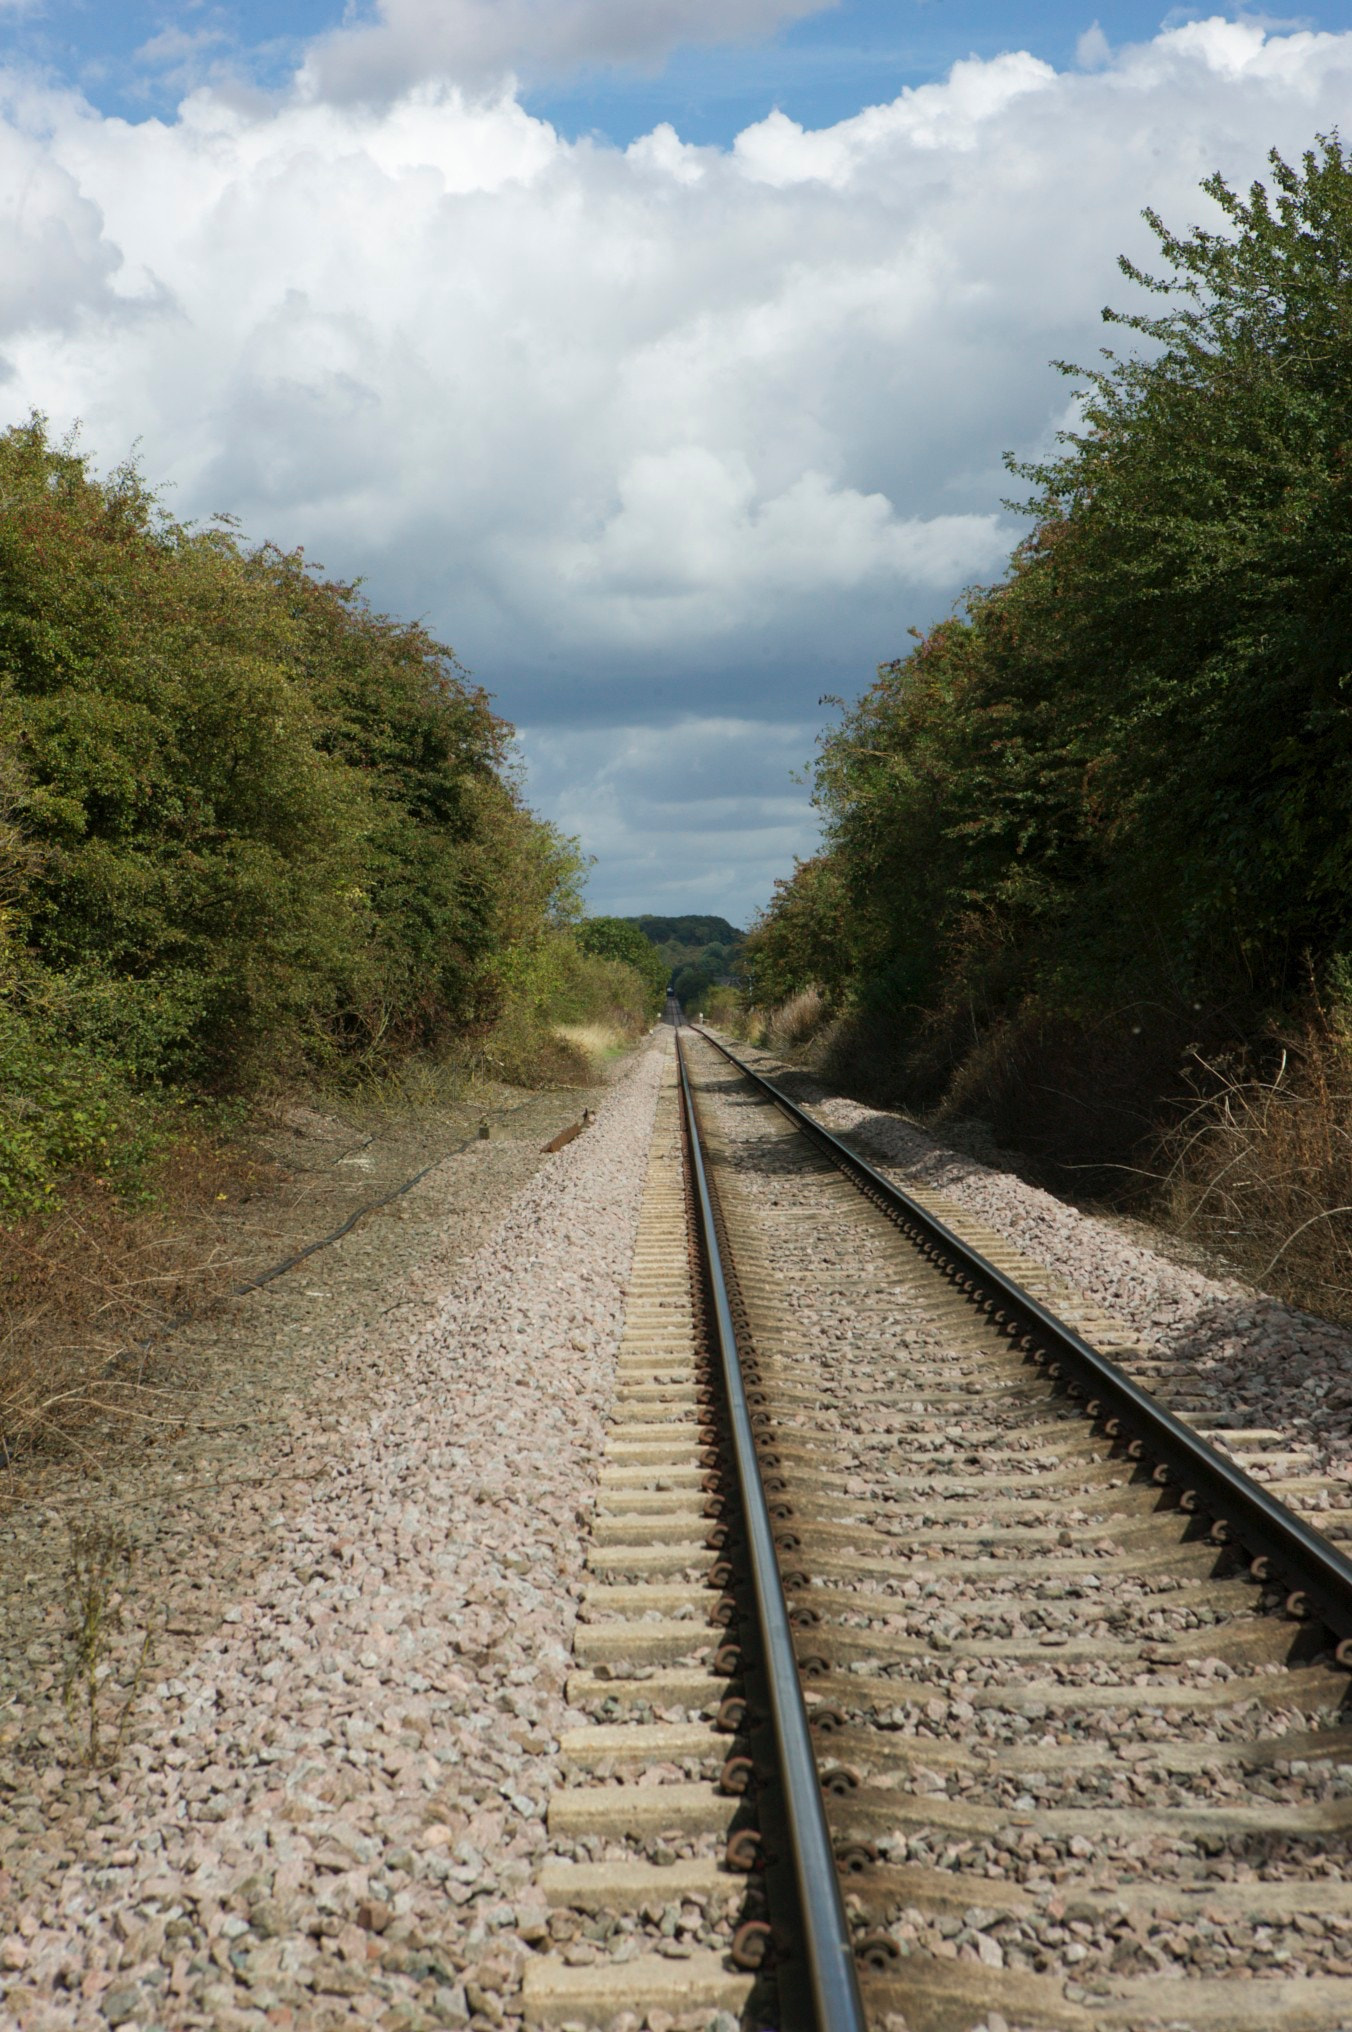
{"x": 1279, "y": 1543}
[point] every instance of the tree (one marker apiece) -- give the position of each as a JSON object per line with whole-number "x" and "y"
{"x": 617, "y": 938}
{"x": 1124, "y": 774}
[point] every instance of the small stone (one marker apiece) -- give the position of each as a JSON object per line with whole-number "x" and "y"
{"x": 332, "y": 1979}
{"x": 352, "y": 1944}
{"x": 373, "y": 1915}
{"x": 269, "y": 1918}
{"x": 403, "y": 2018}
{"x": 13, "y": 1952}
{"x": 483, "y": 2003}
{"x": 121, "y": 2004}
{"x": 450, "y": 2004}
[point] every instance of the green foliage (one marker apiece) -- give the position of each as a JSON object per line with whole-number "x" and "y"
{"x": 698, "y": 932}
{"x": 621, "y": 940}
{"x": 1124, "y": 774}
{"x": 63, "y": 1107}
{"x": 696, "y": 953}
{"x": 247, "y": 826}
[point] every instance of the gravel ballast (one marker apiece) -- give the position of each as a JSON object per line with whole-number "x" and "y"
{"x": 1265, "y": 1362}
{"x": 1109, "y": 1773}
{"x": 331, "y": 1813}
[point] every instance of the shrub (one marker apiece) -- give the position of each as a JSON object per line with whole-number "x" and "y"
{"x": 619, "y": 939}
{"x": 248, "y": 827}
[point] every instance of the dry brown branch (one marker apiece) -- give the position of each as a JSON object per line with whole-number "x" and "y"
{"x": 1261, "y": 1168}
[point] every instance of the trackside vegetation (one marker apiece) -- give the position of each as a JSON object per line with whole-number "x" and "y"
{"x": 251, "y": 832}
{"x": 1088, "y": 856}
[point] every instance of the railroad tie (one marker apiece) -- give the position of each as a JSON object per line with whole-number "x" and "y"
{"x": 642, "y": 1829}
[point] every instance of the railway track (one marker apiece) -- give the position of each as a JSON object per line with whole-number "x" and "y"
{"x": 1068, "y": 1678}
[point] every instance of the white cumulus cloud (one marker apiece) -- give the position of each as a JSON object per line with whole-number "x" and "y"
{"x": 652, "y": 435}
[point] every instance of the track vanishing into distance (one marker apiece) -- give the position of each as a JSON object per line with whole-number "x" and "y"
{"x": 1062, "y": 1682}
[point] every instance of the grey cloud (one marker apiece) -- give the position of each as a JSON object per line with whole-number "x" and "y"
{"x": 700, "y": 809}
{"x": 478, "y": 42}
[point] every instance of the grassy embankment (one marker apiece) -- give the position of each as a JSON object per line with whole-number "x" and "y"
{"x": 1087, "y": 875}
{"x": 258, "y": 845}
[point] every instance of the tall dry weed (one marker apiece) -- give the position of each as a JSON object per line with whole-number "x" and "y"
{"x": 106, "y": 1657}
{"x": 796, "y": 1022}
{"x": 1261, "y": 1170}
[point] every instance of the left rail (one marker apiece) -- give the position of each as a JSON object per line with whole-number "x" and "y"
{"x": 822, "y": 1933}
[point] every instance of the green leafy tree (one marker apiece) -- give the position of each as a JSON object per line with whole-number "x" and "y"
{"x": 619, "y": 938}
{"x": 1123, "y": 776}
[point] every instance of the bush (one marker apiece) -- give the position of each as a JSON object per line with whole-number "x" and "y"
{"x": 602, "y": 991}
{"x": 248, "y": 827}
{"x": 726, "y": 1009}
{"x": 62, "y": 1109}
{"x": 619, "y": 940}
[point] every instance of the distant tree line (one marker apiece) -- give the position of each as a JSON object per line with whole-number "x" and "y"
{"x": 1112, "y": 797}
{"x": 697, "y": 953}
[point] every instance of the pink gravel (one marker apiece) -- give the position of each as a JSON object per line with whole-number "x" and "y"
{"x": 1266, "y": 1363}
{"x": 330, "y": 1816}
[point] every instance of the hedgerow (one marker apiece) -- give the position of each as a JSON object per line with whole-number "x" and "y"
{"x": 249, "y": 829}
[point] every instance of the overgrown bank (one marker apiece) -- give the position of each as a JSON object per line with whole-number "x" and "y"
{"x": 255, "y": 839}
{"x": 1086, "y": 872}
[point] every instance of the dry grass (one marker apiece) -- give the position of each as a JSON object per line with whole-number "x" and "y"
{"x": 104, "y": 1670}
{"x": 796, "y": 1022}
{"x": 1261, "y": 1170}
{"x": 90, "y": 1295}
{"x": 84, "y": 1291}
{"x": 596, "y": 1041}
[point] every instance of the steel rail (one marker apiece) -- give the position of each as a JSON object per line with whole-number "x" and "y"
{"x": 828, "y": 1955}
{"x": 1279, "y": 1543}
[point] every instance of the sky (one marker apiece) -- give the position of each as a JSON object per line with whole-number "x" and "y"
{"x": 660, "y": 354}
